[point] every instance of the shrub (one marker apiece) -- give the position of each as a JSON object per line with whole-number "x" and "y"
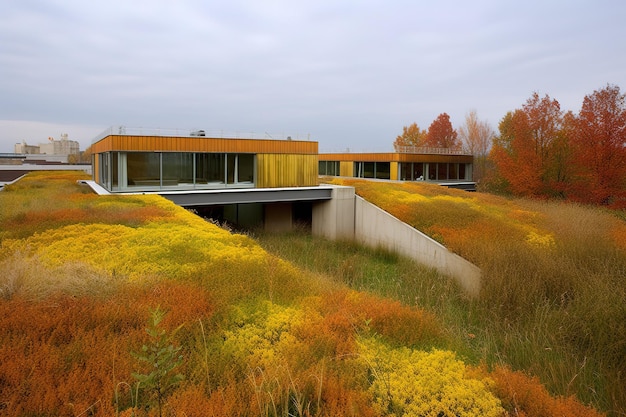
{"x": 408, "y": 383}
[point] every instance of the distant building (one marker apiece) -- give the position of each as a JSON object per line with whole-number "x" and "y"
{"x": 25, "y": 149}
{"x": 58, "y": 151}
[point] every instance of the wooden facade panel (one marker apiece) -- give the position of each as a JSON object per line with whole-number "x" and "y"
{"x": 96, "y": 169}
{"x": 346, "y": 168}
{"x": 286, "y": 170}
{"x": 195, "y": 144}
{"x": 393, "y": 173}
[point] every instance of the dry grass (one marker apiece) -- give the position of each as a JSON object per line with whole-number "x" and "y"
{"x": 260, "y": 336}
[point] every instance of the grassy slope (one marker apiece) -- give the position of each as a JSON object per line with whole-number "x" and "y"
{"x": 554, "y": 285}
{"x": 80, "y": 274}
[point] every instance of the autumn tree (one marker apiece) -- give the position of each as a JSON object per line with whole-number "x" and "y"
{"x": 599, "y": 149}
{"x": 476, "y": 136}
{"x": 514, "y": 157}
{"x": 411, "y": 136}
{"x": 441, "y": 134}
{"x": 530, "y": 150}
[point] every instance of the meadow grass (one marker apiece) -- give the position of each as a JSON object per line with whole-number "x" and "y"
{"x": 553, "y": 301}
{"x": 259, "y": 334}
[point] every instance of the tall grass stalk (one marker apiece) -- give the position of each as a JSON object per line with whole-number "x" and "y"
{"x": 558, "y": 313}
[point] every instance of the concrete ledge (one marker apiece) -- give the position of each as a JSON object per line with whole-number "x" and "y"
{"x": 97, "y": 188}
{"x": 376, "y": 228}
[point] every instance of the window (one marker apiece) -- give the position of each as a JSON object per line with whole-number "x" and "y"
{"x": 210, "y": 169}
{"x": 143, "y": 169}
{"x": 452, "y": 172}
{"x": 157, "y": 170}
{"x": 177, "y": 169}
{"x": 245, "y": 168}
{"x": 418, "y": 171}
{"x": 382, "y": 170}
{"x": 328, "y": 168}
{"x": 442, "y": 171}
{"x": 105, "y": 169}
{"x": 372, "y": 170}
{"x": 462, "y": 172}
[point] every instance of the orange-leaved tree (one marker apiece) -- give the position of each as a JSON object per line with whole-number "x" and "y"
{"x": 441, "y": 134}
{"x": 412, "y": 136}
{"x": 599, "y": 149}
{"x": 532, "y": 147}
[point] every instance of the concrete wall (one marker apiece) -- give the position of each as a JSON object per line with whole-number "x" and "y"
{"x": 334, "y": 218}
{"x": 376, "y": 228}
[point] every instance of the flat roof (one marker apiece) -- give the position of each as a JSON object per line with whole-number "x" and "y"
{"x": 191, "y": 198}
{"x": 248, "y": 195}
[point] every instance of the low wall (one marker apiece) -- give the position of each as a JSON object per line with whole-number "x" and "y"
{"x": 334, "y": 218}
{"x": 377, "y": 228}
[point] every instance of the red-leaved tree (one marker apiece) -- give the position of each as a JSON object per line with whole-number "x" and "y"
{"x": 599, "y": 149}
{"x": 441, "y": 134}
{"x": 530, "y": 151}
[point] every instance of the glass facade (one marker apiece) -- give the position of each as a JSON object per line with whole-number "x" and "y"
{"x": 123, "y": 171}
{"x": 380, "y": 170}
{"x": 329, "y": 168}
{"x": 411, "y": 171}
{"x": 418, "y": 171}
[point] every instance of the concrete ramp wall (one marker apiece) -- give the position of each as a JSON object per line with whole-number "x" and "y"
{"x": 377, "y": 228}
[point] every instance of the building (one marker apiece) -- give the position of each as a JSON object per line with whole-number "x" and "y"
{"x": 166, "y": 160}
{"x": 61, "y": 151}
{"x": 444, "y": 166}
{"x": 274, "y": 182}
{"x": 241, "y": 180}
{"x": 64, "y": 146}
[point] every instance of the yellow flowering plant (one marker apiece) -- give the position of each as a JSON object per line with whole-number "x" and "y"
{"x": 413, "y": 383}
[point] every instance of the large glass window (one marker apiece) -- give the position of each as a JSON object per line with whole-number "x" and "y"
{"x": 442, "y": 171}
{"x": 245, "y": 167}
{"x": 210, "y": 169}
{"x": 372, "y": 170}
{"x": 418, "y": 171}
{"x": 143, "y": 169}
{"x": 177, "y": 169}
{"x": 462, "y": 172}
{"x": 105, "y": 169}
{"x": 382, "y": 170}
{"x": 452, "y": 172}
{"x": 412, "y": 171}
{"x": 155, "y": 170}
{"x": 405, "y": 171}
{"x": 328, "y": 168}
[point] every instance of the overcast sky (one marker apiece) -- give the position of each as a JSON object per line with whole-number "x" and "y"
{"x": 350, "y": 74}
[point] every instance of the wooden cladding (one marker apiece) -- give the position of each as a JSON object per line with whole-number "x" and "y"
{"x": 346, "y": 168}
{"x": 202, "y": 144}
{"x": 280, "y": 170}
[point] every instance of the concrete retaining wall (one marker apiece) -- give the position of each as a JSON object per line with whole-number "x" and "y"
{"x": 334, "y": 219}
{"x": 376, "y": 228}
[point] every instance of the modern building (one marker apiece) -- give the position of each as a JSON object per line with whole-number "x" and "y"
{"x": 248, "y": 180}
{"x": 274, "y": 183}
{"x": 241, "y": 180}
{"x": 162, "y": 160}
{"x": 449, "y": 167}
